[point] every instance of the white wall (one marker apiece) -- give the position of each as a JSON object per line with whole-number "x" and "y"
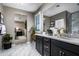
{"x": 9, "y": 15}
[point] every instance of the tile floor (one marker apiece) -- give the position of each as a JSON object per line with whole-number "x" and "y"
{"x": 25, "y": 49}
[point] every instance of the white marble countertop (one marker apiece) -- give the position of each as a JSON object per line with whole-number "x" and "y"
{"x": 68, "y": 40}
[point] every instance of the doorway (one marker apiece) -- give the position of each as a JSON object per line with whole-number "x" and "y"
{"x": 20, "y": 29}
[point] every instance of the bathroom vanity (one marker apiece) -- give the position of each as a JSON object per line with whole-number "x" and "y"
{"x": 56, "y": 46}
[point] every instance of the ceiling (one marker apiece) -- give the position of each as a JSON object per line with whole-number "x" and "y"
{"x": 59, "y": 7}
{"x": 30, "y": 7}
{"x": 51, "y": 9}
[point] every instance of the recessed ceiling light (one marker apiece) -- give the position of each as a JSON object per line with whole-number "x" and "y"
{"x": 57, "y": 5}
{"x": 78, "y": 4}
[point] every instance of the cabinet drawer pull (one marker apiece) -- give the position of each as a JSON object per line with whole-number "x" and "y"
{"x": 46, "y": 47}
{"x": 46, "y": 39}
{"x": 60, "y": 53}
{"x": 63, "y": 53}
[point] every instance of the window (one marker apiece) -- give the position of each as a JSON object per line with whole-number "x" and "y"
{"x": 38, "y": 22}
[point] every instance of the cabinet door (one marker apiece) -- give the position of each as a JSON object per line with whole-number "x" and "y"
{"x": 68, "y": 53}
{"x": 39, "y": 41}
{"x": 55, "y": 51}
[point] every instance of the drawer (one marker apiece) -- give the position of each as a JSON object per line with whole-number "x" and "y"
{"x": 47, "y": 44}
{"x": 46, "y": 40}
{"x": 46, "y": 48}
{"x": 46, "y": 53}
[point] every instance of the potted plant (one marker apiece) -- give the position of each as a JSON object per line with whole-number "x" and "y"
{"x": 33, "y": 33}
{"x": 6, "y": 41}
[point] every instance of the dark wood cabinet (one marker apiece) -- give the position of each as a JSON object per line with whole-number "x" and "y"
{"x": 67, "y": 53}
{"x": 39, "y": 44}
{"x": 52, "y": 47}
{"x": 43, "y": 45}
{"x": 58, "y": 48}
{"x": 55, "y": 51}
{"x": 46, "y": 47}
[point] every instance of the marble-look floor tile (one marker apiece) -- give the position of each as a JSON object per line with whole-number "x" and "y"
{"x": 25, "y": 49}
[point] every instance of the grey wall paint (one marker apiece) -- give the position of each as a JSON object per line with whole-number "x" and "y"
{"x": 46, "y": 23}
{"x": 68, "y": 23}
{"x": 9, "y": 14}
{"x": 61, "y": 15}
